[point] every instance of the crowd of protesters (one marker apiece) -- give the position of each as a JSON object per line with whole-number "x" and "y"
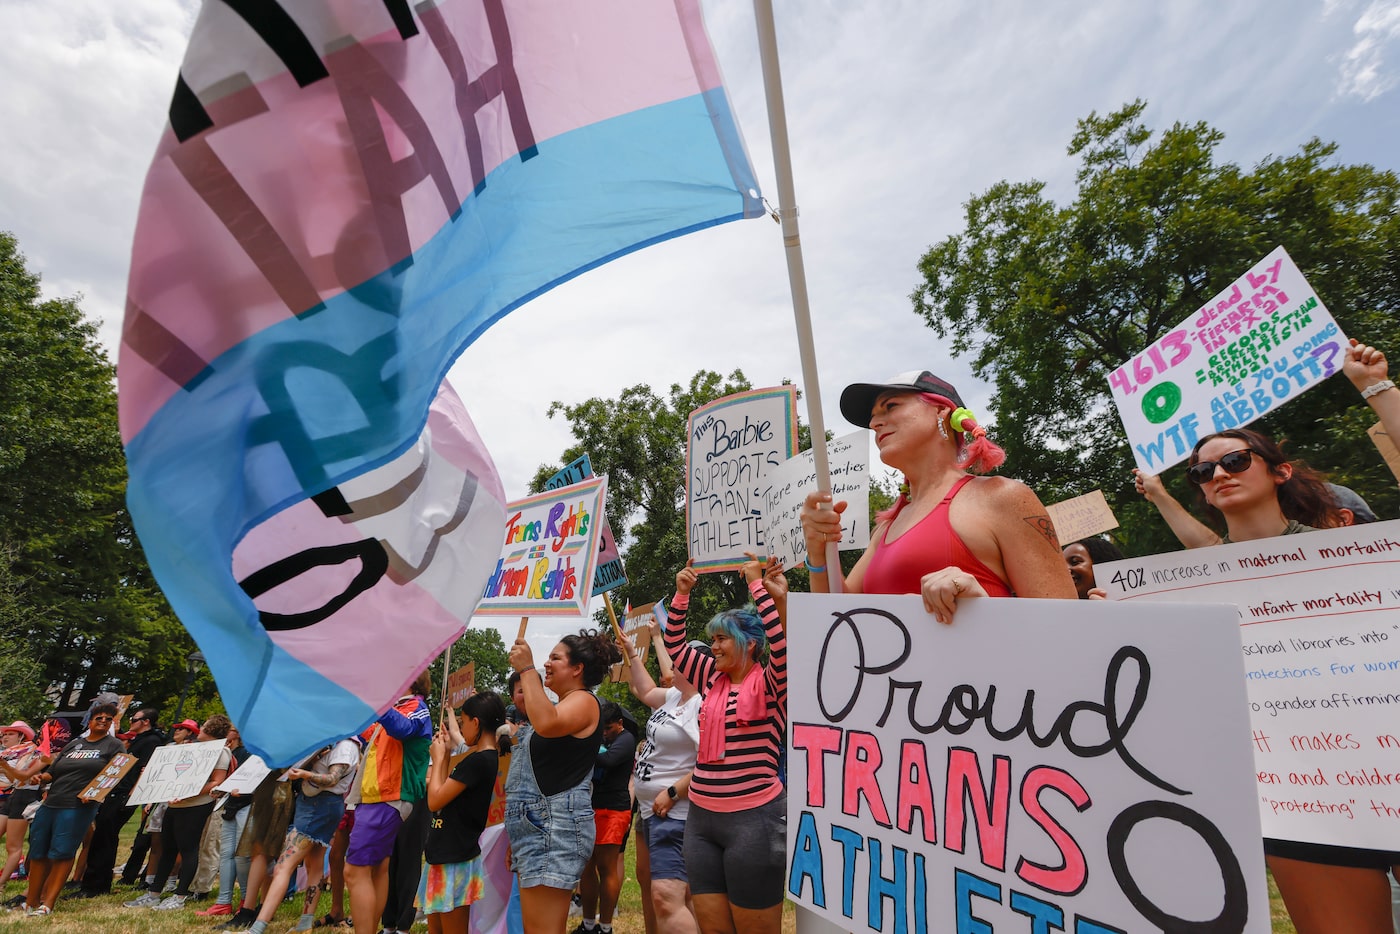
{"x": 396, "y": 814}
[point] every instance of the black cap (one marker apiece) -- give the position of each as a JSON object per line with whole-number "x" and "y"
{"x": 858, "y": 399}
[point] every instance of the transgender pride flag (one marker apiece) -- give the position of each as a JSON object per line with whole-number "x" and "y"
{"x": 348, "y": 193}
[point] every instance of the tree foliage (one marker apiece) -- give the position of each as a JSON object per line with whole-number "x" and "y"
{"x": 84, "y": 602}
{"x": 1049, "y": 299}
{"x": 638, "y": 440}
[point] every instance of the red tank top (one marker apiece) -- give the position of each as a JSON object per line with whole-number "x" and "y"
{"x": 931, "y": 545}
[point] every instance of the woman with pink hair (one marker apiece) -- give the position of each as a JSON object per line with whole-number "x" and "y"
{"x": 950, "y": 535}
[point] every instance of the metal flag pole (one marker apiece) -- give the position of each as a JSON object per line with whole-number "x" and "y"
{"x": 797, "y": 275}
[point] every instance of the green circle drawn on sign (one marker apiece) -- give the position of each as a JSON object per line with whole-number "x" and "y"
{"x": 1161, "y": 402}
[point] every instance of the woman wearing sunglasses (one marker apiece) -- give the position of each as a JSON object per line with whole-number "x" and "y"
{"x": 62, "y": 820}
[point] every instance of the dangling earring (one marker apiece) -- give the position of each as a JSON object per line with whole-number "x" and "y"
{"x": 943, "y": 429}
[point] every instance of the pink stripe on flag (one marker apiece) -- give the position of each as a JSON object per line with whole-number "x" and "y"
{"x": 232, "y": 242}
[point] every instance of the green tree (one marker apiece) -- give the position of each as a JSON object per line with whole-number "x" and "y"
{"x": 83, "y": 592}
{"x": 1049, "y": 299}
{"x": 638, "y": 440}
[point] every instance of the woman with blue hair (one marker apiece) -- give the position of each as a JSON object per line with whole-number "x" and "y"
{"x": 735, "y": 867}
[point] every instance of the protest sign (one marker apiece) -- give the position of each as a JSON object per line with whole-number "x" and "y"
{"x": 1081, "y": 517}
{"x": 848, "y": 458}
{"x": 246, "y": 778}
{"x": 1083, "y": 764}
{"x": 103, "y": 782}
{"x": 732, "y": 445}
{"x": 1319, "y": 631}
{"x": 460, "y": 684}
{"x": 1386, "y": 445}
{"x": 549, "y": 552}
{"x": 609, "y": 573}
{"x": 1260, "y": 342}
{"x": 176, "y": 772}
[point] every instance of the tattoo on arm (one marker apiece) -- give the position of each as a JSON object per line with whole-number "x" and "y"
{"x": 1045, "y": 527}
{"x": 331, "y": 776}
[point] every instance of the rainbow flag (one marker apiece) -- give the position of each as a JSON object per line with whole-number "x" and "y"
{"x": 347, "y": 194}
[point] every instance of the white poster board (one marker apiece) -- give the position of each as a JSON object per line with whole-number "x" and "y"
{"x": 1052, "y": 759}
{"x": 1262, "y": 341}
{"x": 548, "y": 553}
{"x": 848, "y": 459}
{"x": 1319, "y": 631}
{"x": 246, "y": 778}
{"x": 176, "y": 772}
{"x": 732, "y": 445}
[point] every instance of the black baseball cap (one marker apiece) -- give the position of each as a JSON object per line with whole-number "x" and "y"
{"x": 858, "y": 399}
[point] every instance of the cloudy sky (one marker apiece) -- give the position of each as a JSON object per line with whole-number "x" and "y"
{"x": 898, "y": 112}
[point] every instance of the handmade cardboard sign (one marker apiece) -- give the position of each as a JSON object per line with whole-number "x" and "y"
{"x": 1037, "y": 765}
{"x": 733, "y": 445}
{"x": 103, "y": 782}
{"x": 848, "y": 459}
{"x": 1318, "y": 629}
{"x": 610, "y": 573}
{"x": 176, "y": 772}
{"x": 548, "y": 554}
{"x": 1386, "y": 445}
{"x": 1081, "y": 517}
{"x": 1262, "y": 341}
{"x": 460, "y": 684}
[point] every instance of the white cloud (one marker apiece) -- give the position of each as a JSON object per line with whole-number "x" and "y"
{"x": 898, "y": 113}
{"x": 1363, "y": 68}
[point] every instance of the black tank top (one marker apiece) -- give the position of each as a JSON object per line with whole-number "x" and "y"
{"x": 565, "y": 761}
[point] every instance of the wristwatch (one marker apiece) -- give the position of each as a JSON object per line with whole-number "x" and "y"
{"x": 672, "y": 792}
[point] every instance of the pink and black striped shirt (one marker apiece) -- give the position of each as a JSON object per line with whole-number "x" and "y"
{"x": 747, "y": 776}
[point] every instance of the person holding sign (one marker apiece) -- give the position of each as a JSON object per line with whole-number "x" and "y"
{"x": 1080, "y": 558}
{"x": 736, "y": 831}
{"x": 549, "y": 814}
{"x": 950, "y": 535}
{"x": 460, "y": 797}
{"x": 661, "y": 780}
{"x": 62, "y": 820}
{"x": 184, "y": 826}
{"x": 1245, "y": 477}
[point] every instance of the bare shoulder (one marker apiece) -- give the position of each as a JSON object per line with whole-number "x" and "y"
{"x": 1006, "y": 493}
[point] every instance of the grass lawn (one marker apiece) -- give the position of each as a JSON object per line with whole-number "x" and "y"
{"x": 107, "y": 916}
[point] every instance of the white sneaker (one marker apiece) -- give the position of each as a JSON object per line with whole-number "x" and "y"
{"x": 171, "y": 903}
{"x": 145, "y": 900}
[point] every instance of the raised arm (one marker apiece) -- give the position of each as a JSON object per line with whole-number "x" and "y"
{"x": 639, "y": 680}
{"x": 1189, "y": 530}
{"x": 1368, "y": 371}
{"x": 697, "y": 668}
{"x": 442, "y": 788}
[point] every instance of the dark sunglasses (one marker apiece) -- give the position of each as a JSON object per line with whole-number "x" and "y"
{"x": 139, "y": 720}
{"x": 1234, "y": 462}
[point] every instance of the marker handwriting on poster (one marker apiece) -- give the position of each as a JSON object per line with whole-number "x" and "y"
{"x": 939, "y": 779}
{"x": 1253, "y": 347}
{"x": 848, "y": 460}
{"x": 733, "y": 444}
{"x": 1319, "y": 627}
